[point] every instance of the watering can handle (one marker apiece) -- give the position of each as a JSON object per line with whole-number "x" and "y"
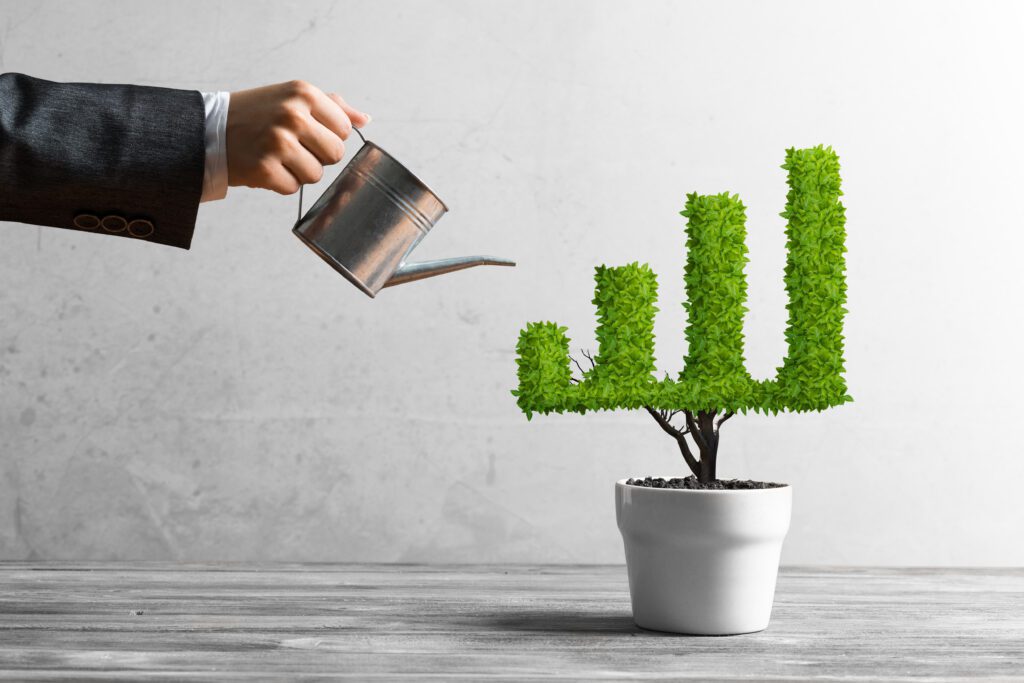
{"x": 360, "y": 134}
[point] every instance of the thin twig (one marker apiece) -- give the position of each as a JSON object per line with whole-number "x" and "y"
{"x": 684, "y": 447}
{"x": 659, "y": 417}
{"x": 668, "y": 418}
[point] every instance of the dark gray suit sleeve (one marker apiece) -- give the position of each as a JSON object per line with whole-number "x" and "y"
{"x": 112, "y": 159}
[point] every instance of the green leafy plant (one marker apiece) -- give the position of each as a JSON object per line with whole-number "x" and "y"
{"x": 714, "y": 384}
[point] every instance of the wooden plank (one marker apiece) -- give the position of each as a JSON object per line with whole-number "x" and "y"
{"x": 162, "y": 621}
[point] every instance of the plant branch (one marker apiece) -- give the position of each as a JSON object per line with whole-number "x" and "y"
{"x": 698, "y": 436}
{"x": 659, "y": 417}
{"x": 723, "y": 419}
{"x": 680, "y": 438}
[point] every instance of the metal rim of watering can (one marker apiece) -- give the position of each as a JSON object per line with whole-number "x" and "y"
{"x": 393, "y": 160}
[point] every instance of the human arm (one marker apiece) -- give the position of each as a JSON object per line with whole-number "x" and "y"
{"x": 101, "y": 158}
{"x": 130, "y": 160}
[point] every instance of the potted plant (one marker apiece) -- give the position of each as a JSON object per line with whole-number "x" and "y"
{"x": 702, "y": 554}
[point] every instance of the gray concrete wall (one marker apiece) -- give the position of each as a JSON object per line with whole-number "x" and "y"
{"x": 242, "y": 401}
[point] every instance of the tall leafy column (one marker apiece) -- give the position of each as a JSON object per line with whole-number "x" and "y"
{"x": 623, "y": 372}
{"x": 811, "y": 376}
{"x": 716, "y": 291}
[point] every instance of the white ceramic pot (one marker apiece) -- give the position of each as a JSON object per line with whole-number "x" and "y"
{"x": 702, "y": 562}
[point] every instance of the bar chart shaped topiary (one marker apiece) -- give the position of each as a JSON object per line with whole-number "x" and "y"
{"x": 714, "y": 384}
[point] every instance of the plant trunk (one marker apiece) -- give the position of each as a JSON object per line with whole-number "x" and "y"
{"x": 704, "y": 433}
{"x": 707, "y": 470}
{"x": 708, "y": 445}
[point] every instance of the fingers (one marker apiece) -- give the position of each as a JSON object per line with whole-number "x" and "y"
{"x": 280, "y": 137}
{"x": 333, "y": 117}
{"x": 330, "y": 124}
{"x": 357, "y": 118}
{"x": 323, "y": 143}
{"x": 302, "y": 164}
{"x": 274, "y": 176}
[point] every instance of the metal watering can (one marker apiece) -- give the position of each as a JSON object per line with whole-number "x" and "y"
{"x": 371, "y": 218}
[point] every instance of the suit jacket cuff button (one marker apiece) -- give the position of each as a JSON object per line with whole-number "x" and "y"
{"x": 113, "y": 223}
{"x": 140, "y": 227}
{"x": 86, "y": 221}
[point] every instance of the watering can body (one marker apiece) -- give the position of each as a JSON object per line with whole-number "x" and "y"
{"x": 369, "y": 220}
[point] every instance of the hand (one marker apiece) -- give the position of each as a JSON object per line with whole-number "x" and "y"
{"x": 281, "y": 136}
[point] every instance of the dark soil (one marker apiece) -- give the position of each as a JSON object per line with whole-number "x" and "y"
{"x": 691, "y": 482}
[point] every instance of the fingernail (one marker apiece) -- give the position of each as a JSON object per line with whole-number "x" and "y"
{"x": 368, "y": 117}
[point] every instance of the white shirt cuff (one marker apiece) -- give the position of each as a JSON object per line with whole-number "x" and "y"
{"x": 215, "y": 174}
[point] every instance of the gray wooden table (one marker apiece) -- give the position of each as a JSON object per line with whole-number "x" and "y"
{"x": 144, "y": 621}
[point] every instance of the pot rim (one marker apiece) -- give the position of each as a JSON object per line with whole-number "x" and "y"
{"x": 621, "y": 483}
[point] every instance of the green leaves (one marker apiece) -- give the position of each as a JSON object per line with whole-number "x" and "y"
{"x": 811, "y": 376}
{"x": 623, "y": 374}
{"x": 544, "y": 374}
{"x": 715, "y": 375}
{"x": 716, "y": 289}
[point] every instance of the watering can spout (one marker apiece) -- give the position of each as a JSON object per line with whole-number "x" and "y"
{"x": 408, "y": 272}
